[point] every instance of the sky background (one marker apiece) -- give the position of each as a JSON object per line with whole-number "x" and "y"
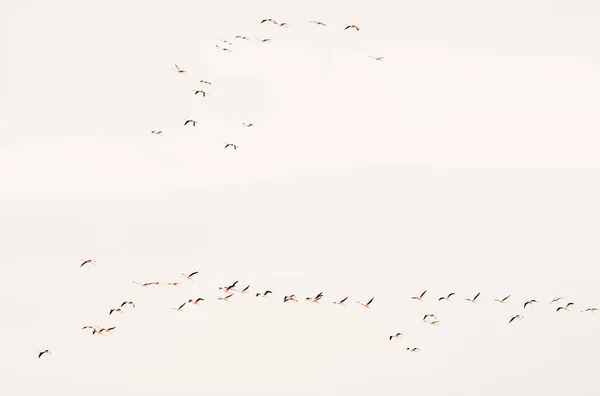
{"x": 465, "y": 162}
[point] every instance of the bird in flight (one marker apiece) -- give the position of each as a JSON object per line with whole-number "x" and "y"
{"x": 291, "y": 297}
{"x": 397, "y": 335}
{"x": 225, "y": 41}
{"x": 352, "y": 27}
{"x": 179, "y": 307}
{"x": 189, "y": 276}
{"x": 420, "y": 298}
{"x": 232, "y": 145}
{"x": 429, "y": 316}
{"x": 341, "y": 302}
{"x": 44, "y": 352}
{"x": 269, "y": 20}
{"x": 318, "y": 23}
{"x": 263, "y": 294}
{"x": 378, "y": 58}
{"x": 89, "y": 327}
{"x": 592, "y": 310}
{"x": 265, "y": 40}
{"x": 528, "y": 302}
{"x": 230, "y": 287}
{"x": 502, "y": 300}
{"x": 245, "y": 289}
{"x": 242, "y": 38}
{"x": 87, "y": 262}
{"x": 178, "y": 70}
{"x": 102, "y": 330}
{"x": 196, "y": 92}
{"x": 446, "y": 298}
{"x": 315, "y": 299}
{"x": 222, "y": 48}
{"x": 413, "y": 349}
{"x": 434, "y": 322}
{"x": 188, "y": 121}
{"x": 196, "y": 301}
{"x": 128, "y": 303}
{"x": 367, "y": 304}
{"x": 247, "y": 125}
{"x": 156, "y": 132}
{"x": 474, "y": 298}
{"x": 226, "y": 298}
{"x": 176, "y": 284}
{"x": 515, "y": 317}
{"x": 557, "y": 299}
{"x": 119, "y": 310}
{"x": 205, "y": 82}
{"x": 283, "y": 24}
{"x": 566, "y": 307}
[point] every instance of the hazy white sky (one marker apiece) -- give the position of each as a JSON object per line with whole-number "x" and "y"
{"x": 465, "y": 162}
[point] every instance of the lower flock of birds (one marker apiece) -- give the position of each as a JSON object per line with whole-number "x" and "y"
{"x": 228, "y": 291}
{"x": 226, "y": 46}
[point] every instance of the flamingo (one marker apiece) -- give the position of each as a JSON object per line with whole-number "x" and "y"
{"x": 264, "y": 294}
{"x": 502, "y": 300}
{"x": 367, "y": 304}
{"x": 188, "y": 121}
{"x": 189, "y": 276}
{"x": 315, "y": 299}
{"x": 446, "y": 298}
{"x": 341, "y": 302}
{"x": 44, "y": 352}
{"x": 231, "y": 145}
{"x": 474, "y": 298}
{"x": 318, "y": 23}
{"x": 179, "y": 307}
{"x": 420, "y": 298}
{"x": 226, "y": 298}
{"x": 128, "y": 303}
{"x": 178, "y": 70}
{"x": 352, "y": 27}
{"x": 515, "y": 317}
{"x": 196, "y": 301}
{"x": 115, "y": 310}
{"x": 528, "y": 302}
{"x": 397, "y": 335}
{"x": 89, "y": 261}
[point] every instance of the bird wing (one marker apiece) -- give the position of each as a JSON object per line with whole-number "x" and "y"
{"x": 371, "y": 300}
{"x": 474, "y": 298}
{"x": 505, "y": 298}
{"x": 343, "y": 300}
{"x": 181, "y": 306}
{"x": 422, "y": 294}
{"x": 451, "y": 294}
{"x": 193, "y": 273}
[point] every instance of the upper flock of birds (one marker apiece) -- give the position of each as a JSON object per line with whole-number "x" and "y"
{"x": 226, "y": 46}
{"x": 230, "y": 290}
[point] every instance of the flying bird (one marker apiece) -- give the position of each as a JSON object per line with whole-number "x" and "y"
{"x": 268, "y": 20}
{"x": 474, "y": 298}
{"x": 378, "y": 58}
{"x": 352, "y": 27}
{"x": 341, "y": 302}
{"x": 226, "y": 298}
{"x": 397, "y": 335}
{"x": 429, "y": 316}
{"x": 230, "y": 287}
{"x": 420, "y": 298}
{"x": 196, "y": 301}
{"x": 87, "y": 262}
{"x": 528, "y": 302}
{"x": 205, "y": 82}
{"x": 180, "y": 307}
{"x": 242, "y": 38}
{"x": 225, "y": 41}
{"x": 556, "y": 300}
{"x": 245, "y": 289}
{"x": 263, "y": 294}
{"x": 265, "y": 40}
{"x": 290, "y": 298}
{"x": 115, "y": 310}
{"x": 566, "y": 307}
{"x": 446, "y": 298}
{"x": 156, "y": 132}
{"x": 222, "y": 48}
{"x": 413, "y": 349}
{"x": 318, "y": 23}
{"x": 283, "y": 24}
{"x": 44, "y": 352}
{"x": 128, "y": 303}
{"x": 176, "y": 284}
{"x": 189, "y": 276}
{"x": 515, "y": 317}
{"x": 367, "y": 304}
{"x": 188, "y": 121}
{"x": 315, "y": 299}
{"x": 196, "y": 92}
{"x": 502, "y": 300}
{"x": 232, "y": 145}
{"x": 178, "y": 70}
{"x": 592, "y": 310}
{"x": 89, "y": 327}
{"x": 247, "y": 125}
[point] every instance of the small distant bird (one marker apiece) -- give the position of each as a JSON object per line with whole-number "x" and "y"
{"x": 115, "y": 310}
{"x": 102, "y": 330}
{"x": 173, "y": 284}
{"x": 446, "y": 298}
{"x": 180, "y": 307}
{"x": 341, "y": 302}
{"x": 196, "y": 92}
{"x": 367, "y": 304}
{"x": 196, "y": 301}
{"x": 128, "y": 303}
{"x": 87, "y": 262}
{"x": 352, "y": 27}
{"x": 528, "y": 302}
{"x": 245, "y": 289}
{"x": 420, "y": 298}
{"x": 265, "y": 40}
{"x": 434, "y": 322}
{"x": 290, "y": 298}
{"x": 318, "y": 23}
{"x": 397, "y": 335}
{"x": 556, "y": 300}
{"x": 230, "y": 287}
{"x": 242, "y": 38}
{"x": 263, "y": 294}
{"x": 43, "y": 352}
{"x": 89, "y": 327}
{"x": 315, "y": 299}
{"x": 225, "y": 41}
{"x": 413, "y": 349}
{"x": 283, "y": 24}
{"x": 566, "y": 307}
{"x": 156, "y": 132}
{"x": 247, "y": 125}
{"x": 378, "y": 58}
{"x": 232, "y": 145}
{"x": 502, "y": 300}
{"x": 226, "y": 298}
{"x": 222, "y": 48}
{"x": 178, "y": 70}
{"x": 205, "y": 82}
{"x": 268, "y": 20}
{"x": 474, "y": 298}
{"x": 515, "y": 317}
{"x": 189, "y": 276}
{"x": 188, "y": 121}
{"x": 429, "y": 316}
{"x": 592, "y": 310}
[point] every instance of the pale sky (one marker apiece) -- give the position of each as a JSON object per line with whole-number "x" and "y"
{"x": 467, "y": 161}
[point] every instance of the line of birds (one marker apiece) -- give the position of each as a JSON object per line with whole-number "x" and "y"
{"x": 230, "y": 289}
{"x": 225, "y": 45}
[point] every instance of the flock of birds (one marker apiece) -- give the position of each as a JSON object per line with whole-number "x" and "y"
{"x": 226, "y": 45}
{"x": 230, "y": 290}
